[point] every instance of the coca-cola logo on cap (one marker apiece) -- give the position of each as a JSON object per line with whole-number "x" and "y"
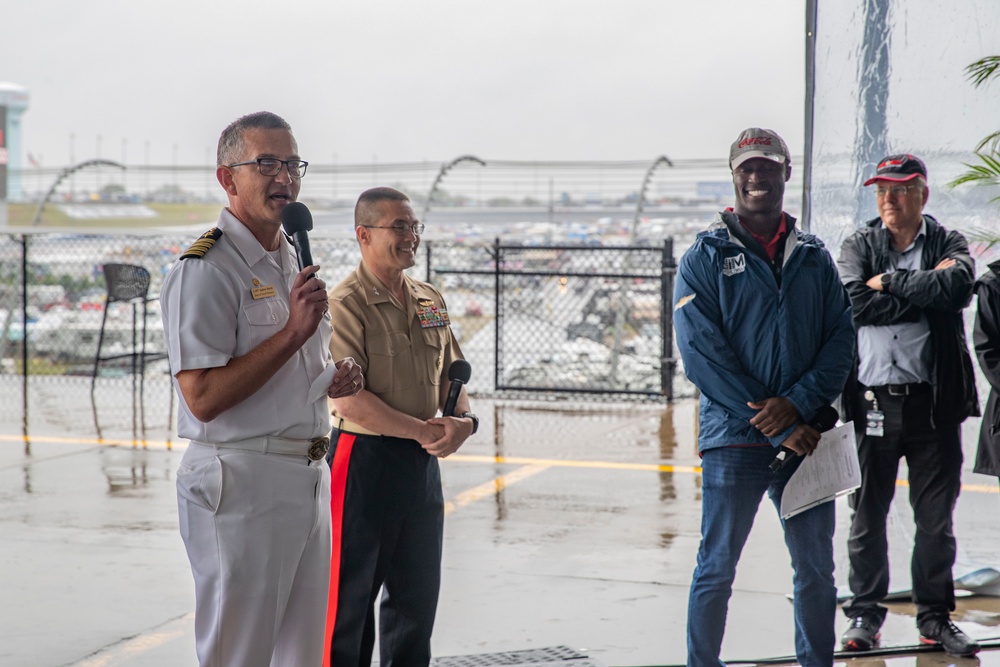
{"x": 754, "y": 141}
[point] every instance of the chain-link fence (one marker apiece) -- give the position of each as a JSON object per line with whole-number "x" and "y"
{"x": 78, "y": 350}
{"x": 566, "y": 318}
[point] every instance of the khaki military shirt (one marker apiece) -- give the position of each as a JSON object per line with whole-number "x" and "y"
{"x": 405, "y": 350}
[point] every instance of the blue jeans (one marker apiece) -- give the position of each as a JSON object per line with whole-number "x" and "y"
{"x": 734, "y": 480}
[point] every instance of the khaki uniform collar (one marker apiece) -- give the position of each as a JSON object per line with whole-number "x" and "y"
{"x": 374, "y": 290}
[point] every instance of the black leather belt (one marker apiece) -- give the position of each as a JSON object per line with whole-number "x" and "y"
{"x": 903, "y": 389}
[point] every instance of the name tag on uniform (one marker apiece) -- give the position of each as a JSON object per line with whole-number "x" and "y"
{"x": 431, "y": 316}
{"x": 263, "y": 292}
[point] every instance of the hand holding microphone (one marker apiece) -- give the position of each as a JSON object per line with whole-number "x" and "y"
{"x": 824, "y": 420}
{"x": 297, "y": 222}
{"x": 447, "y": 440}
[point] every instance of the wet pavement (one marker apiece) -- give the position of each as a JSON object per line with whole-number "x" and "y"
{"x": 568, "y": 524}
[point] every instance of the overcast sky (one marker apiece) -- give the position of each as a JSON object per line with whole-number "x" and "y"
{"x": 405, "y": 80}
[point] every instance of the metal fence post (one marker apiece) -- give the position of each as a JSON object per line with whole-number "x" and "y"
{"x": 497, "y": 260}
{"x": 667, "y": 362}
{"x": 24, "y": 330}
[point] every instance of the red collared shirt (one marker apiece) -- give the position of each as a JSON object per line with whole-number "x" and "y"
{"x": 770, "y": 245}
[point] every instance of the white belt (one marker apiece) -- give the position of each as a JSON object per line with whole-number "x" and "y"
{"x": 313, "y": 449}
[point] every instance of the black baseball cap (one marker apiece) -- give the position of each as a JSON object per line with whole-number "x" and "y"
{"x": 899, "y": 168}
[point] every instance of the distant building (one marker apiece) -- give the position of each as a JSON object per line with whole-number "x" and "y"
{"x": 13, "y": 103}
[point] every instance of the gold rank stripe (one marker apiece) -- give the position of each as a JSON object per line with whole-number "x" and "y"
{"x": 203, "y": 244}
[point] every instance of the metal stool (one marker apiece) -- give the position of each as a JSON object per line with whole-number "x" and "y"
{"x": 128, "y": 283}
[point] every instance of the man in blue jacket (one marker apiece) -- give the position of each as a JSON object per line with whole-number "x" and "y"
{"x": 764, "y": 329}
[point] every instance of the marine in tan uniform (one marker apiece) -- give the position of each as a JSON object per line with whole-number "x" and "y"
{"x": 386, "y": 500}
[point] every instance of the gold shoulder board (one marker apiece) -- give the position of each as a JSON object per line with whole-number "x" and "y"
{"x": 203, "y": 244}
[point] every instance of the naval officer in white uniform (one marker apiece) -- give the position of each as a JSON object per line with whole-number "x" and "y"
{"x": 247, "y": 334}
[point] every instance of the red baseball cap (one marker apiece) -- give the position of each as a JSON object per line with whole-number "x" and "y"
{"x": 899, "y": 168}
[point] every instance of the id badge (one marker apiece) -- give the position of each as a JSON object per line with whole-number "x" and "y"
{"x": 875, "y": 423}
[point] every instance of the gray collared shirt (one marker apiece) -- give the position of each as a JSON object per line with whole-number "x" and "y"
{"x": 897, "y": 353}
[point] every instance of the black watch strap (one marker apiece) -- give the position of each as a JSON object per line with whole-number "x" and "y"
{"x": 474, "y": 418}
{"x": 886, "y": 282}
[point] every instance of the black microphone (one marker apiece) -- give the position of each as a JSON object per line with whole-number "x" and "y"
{"x": 459, "y": 373}
{"x": 824, "y": 419}
{"x": 297, "y": 221}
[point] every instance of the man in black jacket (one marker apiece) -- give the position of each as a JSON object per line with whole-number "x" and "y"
{"x": 986, "y": 339}
{"x": 909, "y": 279}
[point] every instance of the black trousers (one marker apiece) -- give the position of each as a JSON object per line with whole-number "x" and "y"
{"x": 933, "y": 455}
{"x": 390, "y": 529}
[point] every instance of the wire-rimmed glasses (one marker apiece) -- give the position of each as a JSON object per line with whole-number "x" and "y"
{"x": 416, "y": 229}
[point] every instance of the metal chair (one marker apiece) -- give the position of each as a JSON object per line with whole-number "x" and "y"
{"x": 127, "y": 283}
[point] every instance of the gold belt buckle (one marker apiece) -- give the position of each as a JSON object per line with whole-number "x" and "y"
{"x": 318, "y": 448}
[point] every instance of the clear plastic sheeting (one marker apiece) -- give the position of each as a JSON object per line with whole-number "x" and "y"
{"x": 890, "y": 78}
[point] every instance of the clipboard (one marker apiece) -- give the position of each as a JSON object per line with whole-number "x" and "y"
{"x": 830, "y": 472}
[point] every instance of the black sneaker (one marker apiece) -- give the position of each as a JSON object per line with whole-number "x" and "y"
{"x": 942, "y": 632}
{"x": 862, "y": 635}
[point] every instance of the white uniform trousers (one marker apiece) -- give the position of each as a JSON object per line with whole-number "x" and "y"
{"x": 257, "y": 532}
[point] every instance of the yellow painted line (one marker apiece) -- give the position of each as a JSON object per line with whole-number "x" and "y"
{"x": 564, "y": 463}
{"x": 647, "y": 467}
{"x": 971, "y": 488}
{"x": 493, "y": 487}
{"x": 470, "y": 458}
{"x": 123, "y": 652}
{"x": 59, "y": 440}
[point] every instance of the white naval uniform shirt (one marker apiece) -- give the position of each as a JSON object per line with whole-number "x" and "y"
{"x": 210, "y": 316}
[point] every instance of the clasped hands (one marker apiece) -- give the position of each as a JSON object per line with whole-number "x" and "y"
{"x": 775, "y": 415}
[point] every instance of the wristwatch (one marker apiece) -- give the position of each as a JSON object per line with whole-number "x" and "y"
{"x": 886, "y": 281}
{"x": 474, "y": 418}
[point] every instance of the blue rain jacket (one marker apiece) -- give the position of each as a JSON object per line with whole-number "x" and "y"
{"x": 743, "y": 337}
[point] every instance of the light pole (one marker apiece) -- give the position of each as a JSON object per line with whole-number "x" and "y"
{"x": 124, "y": 161}
{"x": 72, "y": 159}
{"x": 98, "y": 171}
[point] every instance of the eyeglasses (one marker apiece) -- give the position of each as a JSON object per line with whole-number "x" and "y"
{"x": 269, "y": 166}
{"x": 400, "y": 230}
{"x": 896, "y": 190}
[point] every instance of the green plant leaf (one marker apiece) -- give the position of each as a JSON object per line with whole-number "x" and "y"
{"x": 982, "y": 70}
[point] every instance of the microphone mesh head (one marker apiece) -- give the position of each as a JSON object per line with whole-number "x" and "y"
{"x": 295, "y": 217}
{"x": 460, "y": 370}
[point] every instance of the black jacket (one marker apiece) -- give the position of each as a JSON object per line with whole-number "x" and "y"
{"x": 939, "y": 295}
{"x": 986, "y": 339}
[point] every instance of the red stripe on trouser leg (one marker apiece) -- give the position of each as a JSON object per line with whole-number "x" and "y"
{"x": 338, "y": 488}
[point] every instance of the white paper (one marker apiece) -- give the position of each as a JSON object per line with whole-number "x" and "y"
{"x": 831, "y": 471}
{"x": 322, "y": 383}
